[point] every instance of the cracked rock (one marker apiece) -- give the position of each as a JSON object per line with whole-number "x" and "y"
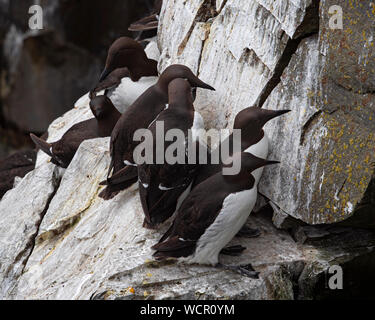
{"x": 74, "y": 245}
{"x": 283, "y": 55}
{"x": 20, "y": 220}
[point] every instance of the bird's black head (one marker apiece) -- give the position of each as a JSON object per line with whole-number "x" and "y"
{"x": 255, "y": 118}
{"x": 125, "y": 52}
{"x": 176, "y": 71}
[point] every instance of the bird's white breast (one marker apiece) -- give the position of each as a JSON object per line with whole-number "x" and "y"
{"x": 259, "y": 150}
{"x": 233, "y": 215}
{"x": 128, "y": 91}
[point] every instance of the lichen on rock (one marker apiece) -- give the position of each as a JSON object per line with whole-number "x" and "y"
{"x": 59, "y": 240}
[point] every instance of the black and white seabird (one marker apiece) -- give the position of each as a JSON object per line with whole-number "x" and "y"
{"x": 139, "y": 116}
{"x": 163, "y": 187}
{"x": 128, "y": 73}
{"x": 63, "y": 151}
{"x": 212, "y": 215}
{"x": 253, "y": 139}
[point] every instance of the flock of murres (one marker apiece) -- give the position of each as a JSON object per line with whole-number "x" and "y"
{"x": 206, "y": 209}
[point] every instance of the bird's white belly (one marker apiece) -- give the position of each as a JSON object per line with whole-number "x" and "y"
{"x": 259, "y": 150}
{"x": 232, "y": 217}
{"x": 128, "y": 91}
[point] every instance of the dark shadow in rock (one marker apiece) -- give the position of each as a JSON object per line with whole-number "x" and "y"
{"x": 50, "y": 77}
{"x": 16, "y": 165}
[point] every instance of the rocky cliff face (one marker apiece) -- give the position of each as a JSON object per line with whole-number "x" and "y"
{"x": 43, "y": 72}
{"x": 283, "y": 55}
{"x": 58, "y": 240}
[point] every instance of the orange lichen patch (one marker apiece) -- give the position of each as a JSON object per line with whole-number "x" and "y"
{"x": 338, "y": 184}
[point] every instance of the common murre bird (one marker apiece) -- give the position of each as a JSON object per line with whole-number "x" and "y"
{"x": 212, "y": 215}
{"x": 110, "y": 82}
{"x": 139, "y": 116}
{"x": 128, "y": 73}
{"x": 63, "y": 151}
{"x": 163, "y": 187}
{"x": 253, "y": 139}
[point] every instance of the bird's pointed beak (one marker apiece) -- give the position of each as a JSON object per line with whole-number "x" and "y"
{"x": 198, "y": 83}
{"x": 263, "y": 162}
{"x": 272, "y": 114}
{"x": 271, "y": 162}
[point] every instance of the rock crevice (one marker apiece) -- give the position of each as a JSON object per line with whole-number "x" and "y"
{"x": 81, "y": 247}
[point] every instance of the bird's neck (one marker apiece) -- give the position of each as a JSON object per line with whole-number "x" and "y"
{"x": 146, "y": 68}
{"x": 105, "y": 126}
{"x": 250, "y": 136}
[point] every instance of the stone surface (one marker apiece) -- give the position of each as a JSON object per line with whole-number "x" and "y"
{"x": 63, "y": 242}
{"x": 40, "y": 79}
{"x": 327, "y": 142}
{"x": 283, "y": 55}
{"x": 69, "y": 244}
{"x": 53, "y": 65}
{"x": 20, "y": 222}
